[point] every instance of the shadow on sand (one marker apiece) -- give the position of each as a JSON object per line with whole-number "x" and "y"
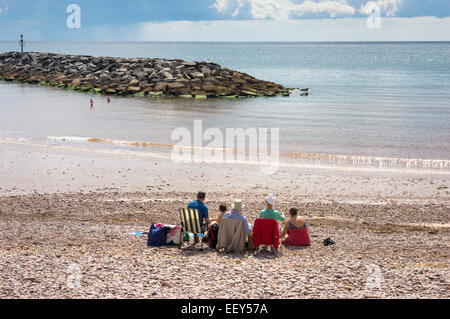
{"x": 193, "y": 249}
{"x": 261, "y": 253}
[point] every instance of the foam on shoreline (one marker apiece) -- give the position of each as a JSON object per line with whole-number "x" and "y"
{"x": 285, "y": 160}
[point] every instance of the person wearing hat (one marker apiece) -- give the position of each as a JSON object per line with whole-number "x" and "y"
{"x": 236, "y": 213}
{"x": 203, "y": 214}
{"x": 269, "y": 212}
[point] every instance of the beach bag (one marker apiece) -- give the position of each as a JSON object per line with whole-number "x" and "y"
{"x": 174, "y": 235}
{"x": 157, "y": 236}
{"x": 213, "y": 233}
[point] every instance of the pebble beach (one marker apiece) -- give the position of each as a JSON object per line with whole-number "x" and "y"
{"x": 65, "y": 225}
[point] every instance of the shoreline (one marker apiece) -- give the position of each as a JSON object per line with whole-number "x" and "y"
{"x": 30, "y": 168}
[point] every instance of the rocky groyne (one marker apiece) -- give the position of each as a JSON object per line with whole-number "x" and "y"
{"x": 133, "y": 76}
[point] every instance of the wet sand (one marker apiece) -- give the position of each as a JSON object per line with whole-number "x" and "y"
{"x": 66, "y": 215}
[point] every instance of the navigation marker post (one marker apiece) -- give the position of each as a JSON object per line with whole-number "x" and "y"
{"x": 21, "y": 43}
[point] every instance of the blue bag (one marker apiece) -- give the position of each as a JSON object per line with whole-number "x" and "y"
{"x": 157, "y": 236}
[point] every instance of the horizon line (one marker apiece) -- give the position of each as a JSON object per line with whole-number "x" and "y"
{"x": 206, "y": 41}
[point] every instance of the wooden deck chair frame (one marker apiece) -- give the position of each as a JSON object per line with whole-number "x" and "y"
{"x": 190, "y": 222}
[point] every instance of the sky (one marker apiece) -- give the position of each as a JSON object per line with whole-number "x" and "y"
{"x": 225, "y": 20}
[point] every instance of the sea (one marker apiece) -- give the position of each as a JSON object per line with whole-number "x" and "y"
{"x": 373, "y": 105}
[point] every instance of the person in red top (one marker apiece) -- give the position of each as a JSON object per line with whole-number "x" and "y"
{"x": 296, "y": 230}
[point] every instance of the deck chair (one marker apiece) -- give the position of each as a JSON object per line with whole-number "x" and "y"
{"x": 231, "y": 235}
{"x": 266, "y": 232}
{"x": 190, "y": 223}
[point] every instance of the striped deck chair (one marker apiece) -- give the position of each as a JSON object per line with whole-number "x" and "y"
{"x": 190, "y": 223}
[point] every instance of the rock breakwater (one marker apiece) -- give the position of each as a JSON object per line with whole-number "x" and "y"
{"x": 134, "y": 76}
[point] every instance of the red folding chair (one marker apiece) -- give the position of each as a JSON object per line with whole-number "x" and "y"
{"x": 266, "y": 232}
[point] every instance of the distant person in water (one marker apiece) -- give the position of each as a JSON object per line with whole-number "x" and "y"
{"x": 199, "y": 204}
{"x": 296, "y": 230}
{"x": 92, "y": 103}
{"x": 108, "y": 100}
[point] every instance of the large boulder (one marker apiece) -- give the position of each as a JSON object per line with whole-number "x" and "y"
{"x": 160, "y": 87}
{"x": 134, "y": 89}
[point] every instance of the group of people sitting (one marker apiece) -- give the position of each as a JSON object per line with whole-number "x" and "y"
{"x": 294, "y": 226}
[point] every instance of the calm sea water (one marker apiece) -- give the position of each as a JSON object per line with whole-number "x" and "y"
{"x": 389, "y": 100}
